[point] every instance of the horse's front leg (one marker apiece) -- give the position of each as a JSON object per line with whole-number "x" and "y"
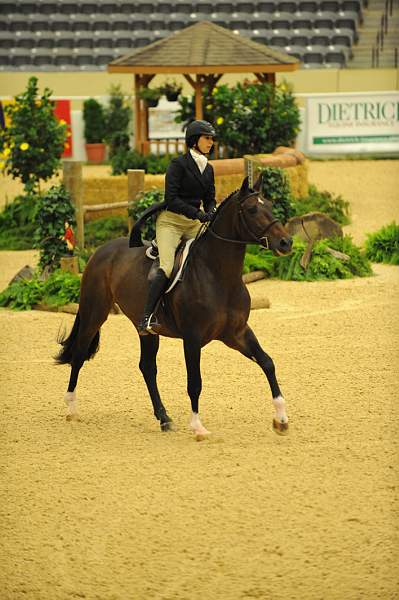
{"x": 192, "y": 355}
{"x": 247, "y": 343}
{"x": 148, "y": 366}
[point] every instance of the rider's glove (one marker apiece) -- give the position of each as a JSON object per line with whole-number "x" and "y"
{"x": 204, "y": 217}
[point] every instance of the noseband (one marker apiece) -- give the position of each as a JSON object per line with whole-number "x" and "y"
{"x": 262, "y": 239}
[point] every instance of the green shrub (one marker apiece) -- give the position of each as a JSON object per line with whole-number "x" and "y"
{"x": 316, "y": 201}
{"x": 94, "y": 122}
{"x": 17, "y": 223}
{"x": 103, "y": 230}
{"x": 250, "y": 117}
{"x": 124, "y": 159}
{"x": 60, "y": 288}
{"x": 117, "y": 119}
{"x": 322, "y": 264}
{"x": 54, "y": 209}
{"x": 276, "y": 188}
{"x": 383, "y": 245}
{"x": 258, "y": 259}
{"x": 146, "y": 200}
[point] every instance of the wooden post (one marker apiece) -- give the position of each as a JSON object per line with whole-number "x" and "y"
{"x": 73, "y": 182}
{"x": 135, "y": 186}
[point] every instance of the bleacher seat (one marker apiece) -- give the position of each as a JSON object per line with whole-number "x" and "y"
{"x": 88, "y": 7}
{"x": 64, "y": 40}
{"x": 329, "y": 6}
{"x": 6, "y": 39}
{"x": 109, "y": 8}
{"x": 123, "y": 40}
{"x": 84, "y": 61}
{"x": 26, "y": 7}
{"x": 46, "y": 42}
{"x": 64, "y": 60}
{"x": 279, "y": 41}
{"x": 281, "y": 25}
{"x": 335, "y": 59}
{"x": 81, "y": 23}
{"x": 6, "y": 8}
{"x": 313, "y": 60}
{"x": 60, "y": 23}
{"x": 342, "y": 41}
{"x": 287, "y": 7}
{"x": 51, "y": 7}
{"x": 302, "y": 24}
{"x": 308, "y": 6}
{"x": 267, "y": 7}
{"x": 86, "y": 42}
{"x": 68, "y": 7}
{"x": 21, "y": 61}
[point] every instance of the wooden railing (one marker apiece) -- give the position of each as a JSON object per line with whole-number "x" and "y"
{"x": 382, "y": 32}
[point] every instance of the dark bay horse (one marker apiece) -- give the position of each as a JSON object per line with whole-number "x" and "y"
{"x": 211, "y": 303}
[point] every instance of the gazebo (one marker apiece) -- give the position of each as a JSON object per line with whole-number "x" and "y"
{"x": 202, "y": 53}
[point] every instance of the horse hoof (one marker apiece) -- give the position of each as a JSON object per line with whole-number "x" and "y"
{"x": 280, "y": 428}
{"x": 168, "y": 426}
{"x": 72, "y": 417}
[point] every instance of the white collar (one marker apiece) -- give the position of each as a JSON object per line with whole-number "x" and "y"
{"x": 200, "y": 159}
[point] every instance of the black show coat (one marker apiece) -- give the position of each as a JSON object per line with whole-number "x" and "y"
{"x": 185, "y": 187}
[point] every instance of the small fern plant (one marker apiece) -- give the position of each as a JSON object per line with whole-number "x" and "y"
{"x": 383, "y": 245}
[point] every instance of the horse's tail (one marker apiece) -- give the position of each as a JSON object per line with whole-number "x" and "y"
{"x": 68, "y": 344}
{"x": 135, "y": 235}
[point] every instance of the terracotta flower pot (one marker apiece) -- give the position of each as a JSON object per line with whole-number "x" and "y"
{"x": 95, "y": 152}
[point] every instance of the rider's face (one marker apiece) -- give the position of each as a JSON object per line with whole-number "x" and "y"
{"x": 205, "y": 143}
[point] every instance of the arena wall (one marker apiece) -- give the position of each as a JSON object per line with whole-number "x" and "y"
{"x": 97, "y": 83}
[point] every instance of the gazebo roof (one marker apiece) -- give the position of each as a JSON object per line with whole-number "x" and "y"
{"x": 203, "y": 48}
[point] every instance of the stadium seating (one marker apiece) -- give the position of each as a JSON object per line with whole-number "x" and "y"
{"x": 91, "y": 32}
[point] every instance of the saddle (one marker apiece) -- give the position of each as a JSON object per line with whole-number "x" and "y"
{"x": 180, "y": 264}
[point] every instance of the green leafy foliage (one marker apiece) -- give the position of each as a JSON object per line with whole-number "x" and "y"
{"x": 17, "y": 223}
{"x": 146, "y": 200}
{"x": 103, "y": 230}
{"x": 59, "y": 289}
{"x": 383, "y": 245}
{"x": 117, "y": 120}
{"x": 94, "y": 121}
{"x": 32, "y": 145}
{"x": 317, "y": 201}
{"x": 276, "y": 188}
{"x": 124, "y": 159}
{"x": 250, "y": 117}
{"x": 323, "y": 265}
{"x": 54, "y": 210}
{"x": 258, "y": 259}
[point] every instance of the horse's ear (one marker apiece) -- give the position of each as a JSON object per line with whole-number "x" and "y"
{"x": 258, "y": 183}
{"x": 244, "y": 186}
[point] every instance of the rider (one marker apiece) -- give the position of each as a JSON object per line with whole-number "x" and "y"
{"x": 190, "y": 201}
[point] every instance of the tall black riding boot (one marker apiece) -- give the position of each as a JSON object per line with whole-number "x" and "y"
{"x": 156, "y": 289}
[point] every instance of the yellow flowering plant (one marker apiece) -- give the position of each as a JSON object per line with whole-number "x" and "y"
{"x": 32, "y": 145}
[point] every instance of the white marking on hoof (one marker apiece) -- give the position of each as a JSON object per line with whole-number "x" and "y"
{"x": 72, "y": 406}
{"x": 200, "y": 432}
{"x": 281, "y": 415}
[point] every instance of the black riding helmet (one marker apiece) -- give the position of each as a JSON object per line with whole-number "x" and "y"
{"x": 197, "y": 128}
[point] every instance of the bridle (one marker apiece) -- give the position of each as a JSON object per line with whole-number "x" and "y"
{"x": 262, "y": 239}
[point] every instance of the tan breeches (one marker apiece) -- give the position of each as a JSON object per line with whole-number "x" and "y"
{"x": 170, "y": 229}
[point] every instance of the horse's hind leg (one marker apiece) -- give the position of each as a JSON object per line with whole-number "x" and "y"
{"x": 148, "y": 366}
{"x": 248, "y": 345}
{"x": 83, "y": 344}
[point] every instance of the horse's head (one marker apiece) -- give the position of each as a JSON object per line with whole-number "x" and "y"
{"x": 257, "y": 219}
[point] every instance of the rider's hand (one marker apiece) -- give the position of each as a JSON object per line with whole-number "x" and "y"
{"x": 204, "y": 217}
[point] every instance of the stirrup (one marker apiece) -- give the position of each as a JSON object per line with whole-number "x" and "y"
{"x": 146, "y": 325}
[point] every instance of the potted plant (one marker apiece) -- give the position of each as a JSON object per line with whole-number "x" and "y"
{"x": 171, "y": 90}
{"x": 151, "y": 96}
{"x": 94, "y": 130}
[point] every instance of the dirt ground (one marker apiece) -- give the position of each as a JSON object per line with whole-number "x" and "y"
{"x": 112, "y": 509}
